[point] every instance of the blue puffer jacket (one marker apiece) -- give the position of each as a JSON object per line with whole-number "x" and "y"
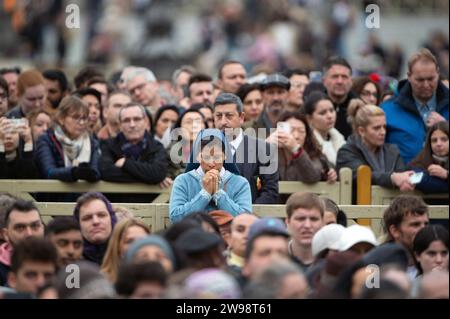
{"x": 405, "y": 126}
{"x": 49, "y": 157}
{"x": 431, "y": 184}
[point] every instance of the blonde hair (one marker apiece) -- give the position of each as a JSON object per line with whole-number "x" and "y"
{"x": 359, "y": 114}
{"x": 422, "y": 54}
{"x": 112, "y": 257}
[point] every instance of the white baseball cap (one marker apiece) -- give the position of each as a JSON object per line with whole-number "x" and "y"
{"x": 356, "y": 234}
{"x": 327, "y": 238}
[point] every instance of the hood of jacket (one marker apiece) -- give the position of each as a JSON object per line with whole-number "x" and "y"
{"x": 228, "y": 164}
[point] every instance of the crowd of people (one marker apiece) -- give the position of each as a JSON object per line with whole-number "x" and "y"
{"x": 220, "y": 255}
{"x": 222, "y": 145}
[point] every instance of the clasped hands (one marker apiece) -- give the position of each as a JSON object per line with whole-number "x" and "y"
{"x": 211, "y": 181}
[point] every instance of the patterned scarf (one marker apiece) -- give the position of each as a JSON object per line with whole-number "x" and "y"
{"x": 133, "y": 150}
{"x": 441, "y": 160}
{"x": 75, "y": 151}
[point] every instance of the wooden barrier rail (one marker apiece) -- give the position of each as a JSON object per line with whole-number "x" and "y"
{"x": 157, "y": 215}
{"x": 340, "y": 192}
{"x": 376, "y": 195}
{"x": 383, "y": 196}
{"x": 24, "y": 188}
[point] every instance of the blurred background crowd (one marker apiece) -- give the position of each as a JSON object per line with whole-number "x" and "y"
{"x": 265, "y": 35}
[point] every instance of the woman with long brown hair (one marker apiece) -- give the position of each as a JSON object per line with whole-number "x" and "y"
{"x": 432, "y": 161}
{"x": 124, "y": 234}
{"x": 299, "y": 156}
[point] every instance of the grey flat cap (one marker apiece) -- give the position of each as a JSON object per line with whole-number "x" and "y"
{"x": 276, "y": 80}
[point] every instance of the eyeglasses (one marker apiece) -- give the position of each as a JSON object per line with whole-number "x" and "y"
{"x": 137, "y": 87}
{"x": 229, "y": 116}
{"x": 128, "y": 120}
{"x": 78, "y": 118}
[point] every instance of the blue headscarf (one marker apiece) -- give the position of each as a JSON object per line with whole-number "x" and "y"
{"x": 228, "y": 164}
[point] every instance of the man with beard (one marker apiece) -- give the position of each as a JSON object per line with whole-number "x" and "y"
{"x": 22, "y": 220}
{"x": 403, "y": 219}
{"x": 337, "y": 79}
{"x": 57, "y": 88}
{"x": 275, "y": 92}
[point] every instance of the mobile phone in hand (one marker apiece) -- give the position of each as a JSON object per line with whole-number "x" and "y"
{"x": 416, "y": 178}
{"x": 315, "y": 76}
{"x": 284, "y": 127}
{"x": 18, "y": 122}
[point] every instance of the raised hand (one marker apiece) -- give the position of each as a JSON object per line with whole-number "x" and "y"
{"x": 288, "y": 141}
{"x": 211, "y": 181}
{"x": 5, "y": 127}
{"x": 25, "y": 132}
{"x": 273, "y": 138}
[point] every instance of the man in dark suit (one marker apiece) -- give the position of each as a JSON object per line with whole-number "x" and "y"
{"x": 256, "y": 159}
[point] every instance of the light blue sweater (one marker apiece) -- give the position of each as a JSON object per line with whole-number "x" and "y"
{"x": 188, "y": 196}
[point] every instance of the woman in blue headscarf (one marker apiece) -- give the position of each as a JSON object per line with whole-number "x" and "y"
{"x": 211, "y": 180}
